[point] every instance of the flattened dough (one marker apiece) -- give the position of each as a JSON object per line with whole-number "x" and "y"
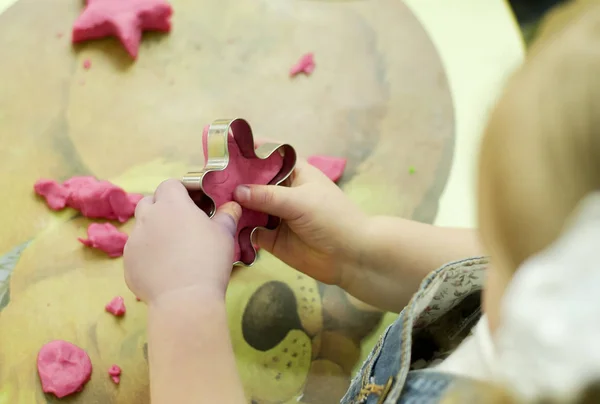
{"x": 63, "y": 368}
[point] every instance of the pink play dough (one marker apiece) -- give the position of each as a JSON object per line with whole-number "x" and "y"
{"x": 56, "y": 194}
{"x": 332, "y": 167}
{"x": 116, "y": 306}
{"x": 115, "y": 374}
{"x": 87, "y": 64}
{"x": 219, "y": 185}
{"x": 63, "y": 368}
{"x": 125, "y": 19}
{"x": 105, "y": 237}
{"x": 305, "y": 65}
{"x": 93, "y": 198}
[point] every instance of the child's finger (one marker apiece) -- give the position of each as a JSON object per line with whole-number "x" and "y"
{"x": 143, "y": 206}
{"x": 265, "y": 239}
{"x": 228, "y": 215}
{"x": 270, "y": 199}
{"x": 305, "y": 172}
{"x": 170, "y": 191}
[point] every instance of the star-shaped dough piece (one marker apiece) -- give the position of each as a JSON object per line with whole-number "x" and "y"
{"x": 231, "y": 159}
{"x": 125, "y": 19}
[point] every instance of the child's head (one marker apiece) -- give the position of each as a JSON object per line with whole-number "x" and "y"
{"x": 541, "y": 151}
{"x": 540, "y": 157}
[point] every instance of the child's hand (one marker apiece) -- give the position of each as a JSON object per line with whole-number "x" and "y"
{"x": 321, "y": 228}
{"x": 174, "y": 246}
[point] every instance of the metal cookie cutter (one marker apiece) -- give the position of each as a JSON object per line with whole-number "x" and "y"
{"x": 217, "y": 159}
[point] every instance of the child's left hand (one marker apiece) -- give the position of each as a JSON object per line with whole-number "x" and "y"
{"x": 175, "y": 248}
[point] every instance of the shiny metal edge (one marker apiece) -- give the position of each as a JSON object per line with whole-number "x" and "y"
{"x": 218, "y": 159}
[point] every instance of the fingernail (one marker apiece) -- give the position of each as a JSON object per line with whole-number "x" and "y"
{"x": 236, "y": 211}
{"x": 242, "y": 193}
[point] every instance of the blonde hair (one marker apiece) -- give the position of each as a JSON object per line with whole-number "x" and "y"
{"x": 541, "y": 151}
{"x": 541, "y": 155}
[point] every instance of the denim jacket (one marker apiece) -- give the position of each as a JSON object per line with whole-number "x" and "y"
{"x": 438, "y": 317}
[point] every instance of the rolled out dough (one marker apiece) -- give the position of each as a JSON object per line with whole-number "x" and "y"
{"x": 219, "y": 185}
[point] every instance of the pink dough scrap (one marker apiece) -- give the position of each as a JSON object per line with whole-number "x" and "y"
{"x": 105, "y": 237}
{"x": 87, "y": 64}
{"x": 219, "y": 185}
{"x": 116, "y": 306}
{"x": 124, "y": 19}
{"x": 56, "y": 195}
{"x": 101, "y": 199}
{"x": 115, "y": 374}
{"x": 93, "y": 198}
{"x": 305, "y": 65}
{"x": 332, "y": 167}
{"x": 63, "y": 368}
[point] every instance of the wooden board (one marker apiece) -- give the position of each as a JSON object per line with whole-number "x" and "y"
{"x": 378, "y": 96}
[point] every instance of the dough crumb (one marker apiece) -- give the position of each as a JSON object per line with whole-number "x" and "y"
{"x": 116, "y": 306}
{"x": 305, "y": 65}
{"x": 63, "y": 368}
{"x": 93, "y": 198}
{"x": 138, "y": 299}
{"x": 87, "y": 64}
{"x": 332, "y": 167}
{"x": 105, "y": 237}
{"x": 115, "y": 374}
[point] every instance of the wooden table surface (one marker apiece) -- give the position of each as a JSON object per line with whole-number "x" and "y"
{"x": 379, "y": 96}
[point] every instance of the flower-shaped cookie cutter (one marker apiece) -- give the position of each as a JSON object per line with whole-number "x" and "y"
{"x": 217, "y": 158}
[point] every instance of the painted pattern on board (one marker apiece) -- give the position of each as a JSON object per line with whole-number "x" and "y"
{"x": 378, "y": 96}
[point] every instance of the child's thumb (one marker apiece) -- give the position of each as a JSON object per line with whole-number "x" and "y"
{"x": 270, "y": 199}
{"x": 228, "y": 215}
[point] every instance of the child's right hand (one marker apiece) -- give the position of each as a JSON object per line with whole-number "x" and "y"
{"x": 379, "y": 260}
{"x": 321, "y": 230}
